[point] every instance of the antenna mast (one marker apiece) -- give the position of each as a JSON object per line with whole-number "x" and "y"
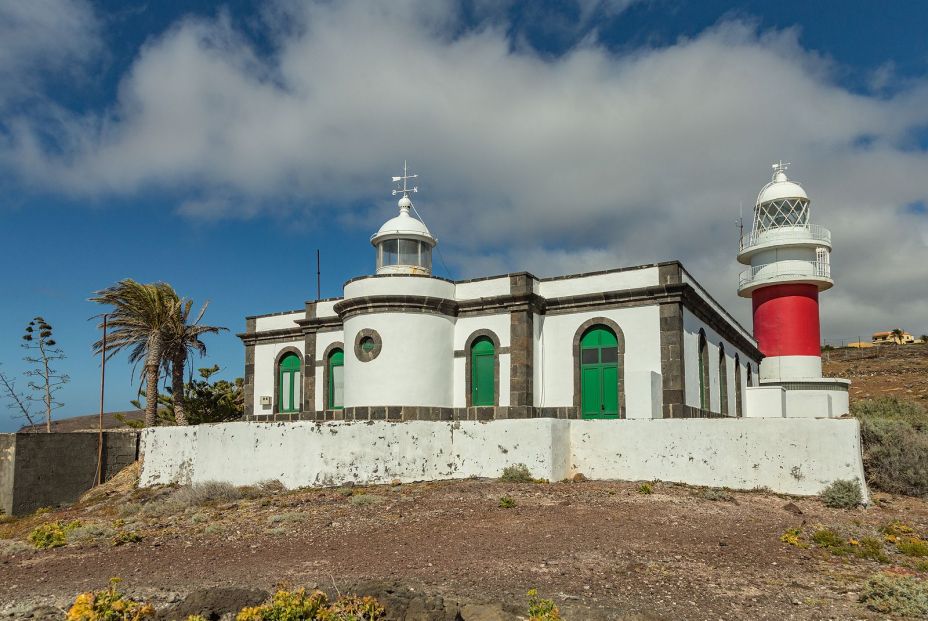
{"x": 318, "y": 277}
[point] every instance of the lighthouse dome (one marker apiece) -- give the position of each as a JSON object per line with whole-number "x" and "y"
{"x": 780, "y": 187}
{"x": 404, "y": 225}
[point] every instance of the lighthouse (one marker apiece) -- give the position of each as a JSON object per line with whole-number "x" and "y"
{"x": 789, "y": 268}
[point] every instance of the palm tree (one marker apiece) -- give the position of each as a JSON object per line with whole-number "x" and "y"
{"x": 897, "y": 335}
{"x": 183, "y": 338}
{"x": 141, "y": 320}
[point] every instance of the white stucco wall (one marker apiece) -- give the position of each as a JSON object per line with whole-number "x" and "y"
{"x": 265, "y": 357}
{"x": 400, "y": 285}
{"x": 414, "y": 367}
{"x": 323, "y": 340}
{"x": 490, "y": 287}
{"x": 326, "y": 308}
{"x": 278, "y": 322}
{"x": 613, "y": 281}
{"x": 554, "y": 358}
{"x": 793, "y": 456}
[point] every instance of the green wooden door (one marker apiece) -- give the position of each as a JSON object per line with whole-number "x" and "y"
{"x": 483, "y": 380}
{"x": 599, "y": 374}
{"x": 289, "y": 384}
{"x": 336, "y": 380}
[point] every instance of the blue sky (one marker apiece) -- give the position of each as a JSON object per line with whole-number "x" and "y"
{"x": 216, "y": 146}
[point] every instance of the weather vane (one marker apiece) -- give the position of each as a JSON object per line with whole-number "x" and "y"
{"x": 780, "y": 166}
{"x": 405, "y": 178}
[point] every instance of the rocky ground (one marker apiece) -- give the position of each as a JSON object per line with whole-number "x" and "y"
{"x": 601, "y": 550}
{"x": 896, "y": 370}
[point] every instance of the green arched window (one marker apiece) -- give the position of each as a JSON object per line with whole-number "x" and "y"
{"x": 704, "y": 400}
{"x": 336, "y": 380}
{"x": 289, "y": 398}
{"x": 599, "y": 373}
{"x": 482, "y": 372}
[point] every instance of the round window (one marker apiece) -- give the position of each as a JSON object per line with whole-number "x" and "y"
{"x": 367, "y": 345}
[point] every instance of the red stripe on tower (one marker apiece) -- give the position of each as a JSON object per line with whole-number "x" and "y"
{"x": 786, "y": 320}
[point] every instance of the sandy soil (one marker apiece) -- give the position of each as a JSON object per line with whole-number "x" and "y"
{"x": 901, "y": 371}
{"x": 601, "y": 550}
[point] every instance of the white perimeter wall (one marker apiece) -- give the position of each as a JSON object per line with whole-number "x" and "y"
{"x": 691, "y": 327}
{"x": 793, "y": 456}
{"x": 554, "y": 357}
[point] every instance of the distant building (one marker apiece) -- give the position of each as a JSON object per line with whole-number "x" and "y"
{"x": 888, "y": 338}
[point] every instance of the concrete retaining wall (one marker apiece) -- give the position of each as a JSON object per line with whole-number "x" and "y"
{"x": 51, "y": 469}
{"x": 794, "y": 456}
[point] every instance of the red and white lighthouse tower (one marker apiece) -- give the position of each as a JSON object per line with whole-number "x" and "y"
{"x": 789, "y": 259}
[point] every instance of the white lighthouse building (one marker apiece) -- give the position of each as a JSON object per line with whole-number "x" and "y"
{"x": 789, "y": 260}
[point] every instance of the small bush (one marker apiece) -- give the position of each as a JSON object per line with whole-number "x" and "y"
{"x": 896, "y": 529}
{"x": 830, "y": 540}
{"x": 507, "y": 502}
{"x": 90, "y": 532}
{"x": 794, "y": 538}
{"x": 108, "y": 605}
{"x": 913, "y": 546}
{"x": 364, "y": 500}
{"x": 292, "y": 516}
{"x": 895, "y": 444}
{"x": 645, "y": 488}
{"x": 52, "y": 534}
{"x": 898, "y": 595}
{"x": 517, "y": 473}
{"x": 541, "y": 609}
{"x": 126, "y": 536}
{"x": 298, "y": 606}
{"x": 842, "y": 494}
{"x": 197, "y": 495}
{"x": 715, "y": 495}
{"x": 869, "y": 548}
{"x": 12, "y": 547}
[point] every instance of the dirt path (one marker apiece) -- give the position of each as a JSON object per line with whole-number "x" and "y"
{"x": 591, "y": 546}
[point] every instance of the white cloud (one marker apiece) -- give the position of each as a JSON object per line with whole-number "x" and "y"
{"x": 586, "y": 161}
{"x": 38, "y": 37}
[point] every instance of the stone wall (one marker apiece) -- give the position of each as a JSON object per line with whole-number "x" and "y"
{"x": 51, "y": 469}
{"x": 793, "y": 456}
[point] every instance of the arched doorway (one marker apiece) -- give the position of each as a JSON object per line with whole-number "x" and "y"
{"x": 704, "y": 399}
{"x": 335, "y": 367}
{"x": 738, "y": 386}
{"x": 723, "y": 381}
{"x": 288, "y": 400}
{"x": 482, "y": 369}
{"x": 599, "y": 373}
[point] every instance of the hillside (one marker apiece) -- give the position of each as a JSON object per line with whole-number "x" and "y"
{"x": 890, "y": 370}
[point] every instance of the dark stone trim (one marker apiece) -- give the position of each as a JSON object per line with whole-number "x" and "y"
{"x": 320, "y": 324}
{"x": 309, "y": 372}
{"x": 697, "y": 305}
{"x": 468, "y": 364}
{"x": 395, "y": 304}
{"x": 673, "y": 378}
{"x": 325, "y": 372}
{"x": 248, "y": 387}
{"x": 271, "y": 336}
{"x": 365, "y": 277}
{"x": 522, "y": 342}
{"x": 705, "y": 381}
{"x": 275, "y": 398}
{"x": 367, "y": 356}
{"x": 620, "y": 336}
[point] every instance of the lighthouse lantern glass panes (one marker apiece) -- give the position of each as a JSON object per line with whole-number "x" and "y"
{"x": 408, "y": 252}
{"x": 390, "y": 252}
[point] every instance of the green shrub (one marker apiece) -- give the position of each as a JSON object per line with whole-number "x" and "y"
{"x": 92, "y": 531}
{"x": 506, "y": 502}
{"x": 895, "y": 444}
{"x": 645, "y": 488}
{"x": 364, "y": 500}
{"x": 197, "y": 495}
{"x": 715, "y": 495}
{"x": 291, "y": 516}
{"x": 842, "y": 494}
{"x": 517, "y": 473}
{"x": 541, "y": 609}
{"x": 869, "y": 548}
{"x": 793, "y": 537}
{"x": 126, "y": 536}
{"x": 298, "y": 606}
{"x": 108, "y": 605}
{"x": 913, "y": 546}
{"x": 898, "y": 595}
{"x": 830, "y": 540}
{"x": 52, "y": 534}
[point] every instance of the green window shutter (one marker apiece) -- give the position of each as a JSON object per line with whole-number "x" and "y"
{"x": 336, "y": 379}
{"x": 289, "y": 383}
{"x": 483, "y": 374}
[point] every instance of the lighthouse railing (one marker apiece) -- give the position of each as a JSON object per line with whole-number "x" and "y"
{"x": 799, "y": 269}
{"x": 799, "y": 232}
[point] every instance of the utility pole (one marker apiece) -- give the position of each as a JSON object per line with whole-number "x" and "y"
{"x": 318, "y": 277}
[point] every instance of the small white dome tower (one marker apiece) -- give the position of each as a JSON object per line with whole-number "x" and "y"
{"x": 404, "y": 244}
